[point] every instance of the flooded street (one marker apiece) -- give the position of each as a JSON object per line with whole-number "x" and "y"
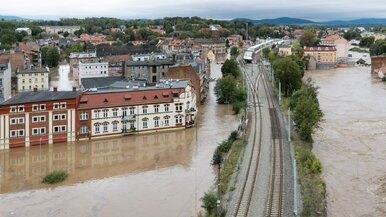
{"x": 351, "y": 142}
{"x": 162, "y": 174}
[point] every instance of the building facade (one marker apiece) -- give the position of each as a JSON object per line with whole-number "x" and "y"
{"x": 33, "y": 78}
{"x": 323, "y": 56}
{"x": 60, "y": 29}
{"x": 153, "y": 71}
{"x": 126, "y": 112}
{"x": 92, "y": 70}
{"x": 5, "y": 80}
{"x": 38, "y": 117}
{"x": 341, "y": 45}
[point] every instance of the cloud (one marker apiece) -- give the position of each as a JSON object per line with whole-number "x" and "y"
{"x": 217, "y": 9}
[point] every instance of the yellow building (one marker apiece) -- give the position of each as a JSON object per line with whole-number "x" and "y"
{"x": 285, "y": 50}
{"x": 324, "y": 57}
{"x": 28, "y": 79}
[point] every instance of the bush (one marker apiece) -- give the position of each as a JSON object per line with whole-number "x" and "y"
{"x": 209, "y": 202}
{"x": 234, "y": 136}
{"x": 225, "y": 146}
{"x": 55, "y": 176}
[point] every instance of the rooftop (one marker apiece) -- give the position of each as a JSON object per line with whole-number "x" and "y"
{"x": 33, "y": 70}
{"x": 150, "y": 63}
{"x": 40, "y": 96}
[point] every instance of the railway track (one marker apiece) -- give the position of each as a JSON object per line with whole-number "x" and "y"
{"x": 244, "y": 201}
{"x": 274, "y": 206}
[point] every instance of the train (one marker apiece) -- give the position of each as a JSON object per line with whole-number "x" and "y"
{"x": 250, "y": 53}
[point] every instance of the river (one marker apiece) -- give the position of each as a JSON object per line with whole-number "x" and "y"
{"x": 351, "y": 141}
{"x": 163, "y": 174}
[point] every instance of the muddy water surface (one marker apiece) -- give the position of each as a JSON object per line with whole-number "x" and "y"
{"x": 352, "y": 141}
{"x": 162, "y": 174}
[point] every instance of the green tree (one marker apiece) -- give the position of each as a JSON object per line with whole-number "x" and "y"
{"x": 231, "y": 67}
{"x": 309, "y": 38}
{"x": 52, "y": 57}
{"x": 266, "y": 52}
{"x": 225, "y": 88}
{"x": 43, "y": 52}
{"x": 352, "y": 34}
{"x": 288, "y": 72}
{"x": 367, "y": 41}
{"x": 306, "y": 110}
{"x": 378, "y": 48}
{"x": 234, "y": 52}
{"x": 209, "y": 202}
{"x": 66, "y": 34}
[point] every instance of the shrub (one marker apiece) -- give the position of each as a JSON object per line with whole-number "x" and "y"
{"x": 234, "y": 136}
{"x": 209, "y": 202}
{"x": 55, "y": 176}
{"x": 225, "y": 146}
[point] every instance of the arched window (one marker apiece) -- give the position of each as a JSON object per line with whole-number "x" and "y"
{"x": 144, "y": 122}
{"x": 96, "y": 128}
{"x": 167, "y": 120}
{"x": 156, "y": 121}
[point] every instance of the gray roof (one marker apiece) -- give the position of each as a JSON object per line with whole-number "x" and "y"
{"x": 150, "y": 63}
{"x": 33, "y": 70}
{"x": 110, "y": 83}
{"x": 40, "y": 96}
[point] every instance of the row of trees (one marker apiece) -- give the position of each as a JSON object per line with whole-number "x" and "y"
{"x": 229, "y": 89}
{"x": 378, "y": 48}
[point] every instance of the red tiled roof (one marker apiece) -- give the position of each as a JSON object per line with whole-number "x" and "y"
{"x": 332, "y": 38}
{"x": 97, "y": 100}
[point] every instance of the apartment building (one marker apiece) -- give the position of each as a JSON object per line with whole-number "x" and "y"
{"x": 33, "y": 78}
{"x": 170, "y": 104}
{"x": 92, "y": 70}
{"x": 152, "y": 71}
{"x": 60, "y": 29}
{"x": 38, "y": 117}
{"x": 321, "y": 57}
{"x": 341, "y": 45}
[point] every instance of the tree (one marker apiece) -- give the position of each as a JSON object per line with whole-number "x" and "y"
{"x": 234, "y": 52}
{"x": 288, "y": 72}
{"x": 43, "y": 52}
{"x": 352, "y": 34}
{"x": 367, "y": 41}
{"x": 209, "y": 202}
{"x": 52, "y": 57}
{"x": 66, "y": 34}
{"x": 266, "y": 52}
{"x": 306, "y": 109}
{"x": 309, "y": 38}
{"x": 298, "y": 49}
{"x": 231, "y": 67}
{"x": 225, "y": 88}
{"x": 378, "y": 48}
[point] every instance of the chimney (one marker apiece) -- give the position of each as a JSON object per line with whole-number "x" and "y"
{"x": 74, "y": 89}
{"x": 55, "y": 89}
{"x": 35, "y": 89}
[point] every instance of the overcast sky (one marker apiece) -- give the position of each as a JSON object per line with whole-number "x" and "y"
{"x": 318, "y": 10}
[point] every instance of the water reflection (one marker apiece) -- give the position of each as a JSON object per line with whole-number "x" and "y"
{"x": 95, "y": 159}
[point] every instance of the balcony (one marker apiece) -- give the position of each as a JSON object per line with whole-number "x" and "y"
{"x": 190, "y": 111}
{"x": 128, "y": 117}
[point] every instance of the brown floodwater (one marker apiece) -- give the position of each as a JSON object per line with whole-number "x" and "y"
{"x": 351, "y": 142}
{"x": 163, "y": 174}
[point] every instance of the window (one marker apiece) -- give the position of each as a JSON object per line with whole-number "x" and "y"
{"x": 144, "y": 122}
{"x": 21, "y": 108}
{"x": 35, "y": 131}
{"x": 39, "y": 131}
{"x": 105, "y": 127}
{"x": 63, "y": 128}
{"x": 21, "y": 120}
{"x": 105, "y": 113}
{"x": 144, "y": 109}
{"x": 115, "y": 126}
{"x": 124, "y": 112}
{"x": 13, "y": 121}
{"x": 63, "y": 117}
{"x": 96, "y": 114}
{"x": 43, "y": 130}
{"x": 132, "y": 124}
{"x": 179, "y": 107}
{"x": 83, "y": 129}
{"x": 187, "y": 105}
{"x": 83, "y": 115}
{"x": 35, "y": 119}
{"x": 13, "y": 133}
{"x": 42, "y": 107}
{"x": 96, "y": 128}
{"x": 21, "y": 133}
{"x": 35, "y": 107}
{"x": 115, "y": 112}
{"x": 42, "y": 118}
{"x": 132, "y": 109}
{"x": 179, "y": 119}
{"x": 156, "y": 108}
{"x": 56, "y": 105}
{"x": 42, "y": 79}
{"x": 156, "y": 122}
{"x": 166, "y": 118}
{"x": 56, "y": 117}
{"x": 56, "y": 129}
{"x": 13, "y": 109}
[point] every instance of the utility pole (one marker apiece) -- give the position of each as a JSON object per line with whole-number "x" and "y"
{"x": 289, "y": 124}
{"x": 279, "y": 92}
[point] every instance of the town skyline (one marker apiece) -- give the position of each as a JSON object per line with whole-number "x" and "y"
{"x": 224, "y": 10}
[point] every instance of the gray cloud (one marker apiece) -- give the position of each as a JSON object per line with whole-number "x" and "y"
{"x": 318, "y": 10}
